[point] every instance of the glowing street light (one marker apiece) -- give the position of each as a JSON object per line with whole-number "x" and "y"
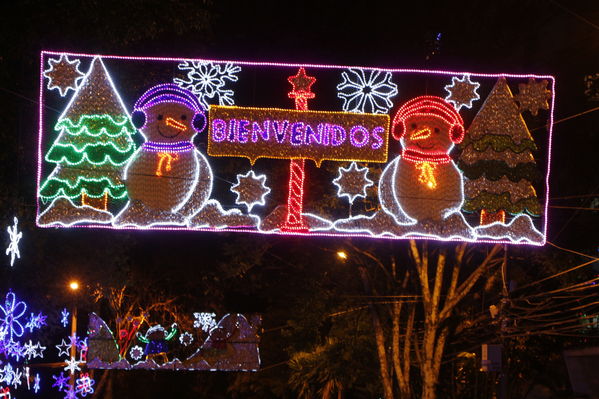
{"x": 342, "y": 255}
{"x": 74, "y": 285}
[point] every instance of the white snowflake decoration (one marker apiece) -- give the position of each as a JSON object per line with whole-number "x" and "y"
{"x": 136, "y": 352}
{"x": 366, "y": 91}
{"x": 33, "y": 351}
{"x": 13, "y": 247}
{"x": 205, "y": 321}
{"x": 462, "y": 92}
{"x": 186, "y": 339}
{"x": 250, "y": 189}
{"x": 72, "y": 365}
{"x": 207, "y": 81}
{"x": 352, "y": 182}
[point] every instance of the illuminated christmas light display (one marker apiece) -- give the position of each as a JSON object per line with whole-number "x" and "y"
{"x": 64, "y": 317}
{"x": 136, "y": 352}
{"x": 96, "y": 172}
{"x": 63, "y": 74}
{"x": 352, "y": 182}
{"x": 366, "y": 91}
{"x": 92, "y": 147}
{"x": 84, "y": 385}
{"x": 231, "y": 344}
{"x": 11, "y": 316}
{"x": 16, "y": 354}
{"x": 207, "y": 80}
{"x": 250, "y": 189}
{"x": 205, "y": 321}
{"x": 186, "y": 339}
{"x": 462, "y": 92}
{"x": 14, "y": 236}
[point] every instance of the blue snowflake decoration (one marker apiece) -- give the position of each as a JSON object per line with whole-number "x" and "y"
{"x": 60, "y": 381}
{"x": 207, "y": 80}
{"x": 64, "y": 317}
{"x": 10, "y": 315}
{"x": 366, "y": 91}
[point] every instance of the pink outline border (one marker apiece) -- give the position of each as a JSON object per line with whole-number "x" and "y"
{"x": 296, "y": 65}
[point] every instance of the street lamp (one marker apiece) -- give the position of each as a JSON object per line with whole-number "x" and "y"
{"x": 342, "y": 255}
{"x": 74, "y": 287}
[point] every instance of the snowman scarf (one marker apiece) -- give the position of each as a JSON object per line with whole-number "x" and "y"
{"x": 167, "y": 153}
{"x": 426, "y": 163}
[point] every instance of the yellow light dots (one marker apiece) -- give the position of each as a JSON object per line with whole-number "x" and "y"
{"x": 427, "y": 174}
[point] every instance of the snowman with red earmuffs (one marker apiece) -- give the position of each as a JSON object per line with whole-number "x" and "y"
{"x": 422, "y": 186}
{"x": 168, "y": 180}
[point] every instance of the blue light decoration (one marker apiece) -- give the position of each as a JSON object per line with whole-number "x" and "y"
{"x": 64, "y": 317}
{"x": 16, "y": 355}
{"x": 211, "y": 109}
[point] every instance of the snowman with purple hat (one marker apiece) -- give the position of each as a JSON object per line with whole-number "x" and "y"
{"x": 168, "y": 180}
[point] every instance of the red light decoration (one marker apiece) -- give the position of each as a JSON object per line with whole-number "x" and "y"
{"x": 301, "y": 92}
{"x": 429, "y": 106}
{"x": 491, "y": 217}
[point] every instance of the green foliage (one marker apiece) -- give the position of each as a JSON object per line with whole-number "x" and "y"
{"x": 499, "y": 143}
{"x": 495, "y": 170}
{"x": 494, "y": 202}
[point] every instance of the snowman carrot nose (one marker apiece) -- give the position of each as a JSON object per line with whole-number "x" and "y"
{"x": 421, "y": 134}
{"x": 177, "y": 125}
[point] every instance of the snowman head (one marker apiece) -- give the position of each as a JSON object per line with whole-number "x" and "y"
{"x": 167, "y": 113}
{"x": 428, "y": 124}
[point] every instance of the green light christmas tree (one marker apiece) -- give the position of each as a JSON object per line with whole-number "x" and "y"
{"x": 91, "y": 151}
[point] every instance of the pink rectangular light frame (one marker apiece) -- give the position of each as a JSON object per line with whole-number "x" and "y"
{"x": 297, "y": 65}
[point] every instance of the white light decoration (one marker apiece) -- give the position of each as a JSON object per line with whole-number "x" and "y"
{"x": 207, "y": 80}
{"x": 136, "y": 352}
{"x": 64, "y": 317}
{"x": 462, "y": 92}
{"x": 250, "y": 189}
{"x": 352, "y": 182}
{"x": 186, "y": 339}
{"x": 14, "y": 237}
{"x": 63, "y": 74}
{"x": 72, "y": 365}
{"x": 268, "y": 125}
{"x": 366, "y": 91}
{"x": 204, "y": 320}
{"x": 63, "y": 348}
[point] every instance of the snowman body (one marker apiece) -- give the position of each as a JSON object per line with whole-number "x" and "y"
{"x": 164, "y": 181}
{"x": 421, "y": 199}
{"x": 168, "y": 180}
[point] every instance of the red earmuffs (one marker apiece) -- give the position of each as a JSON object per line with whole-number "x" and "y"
{"x": 429, "y": 106}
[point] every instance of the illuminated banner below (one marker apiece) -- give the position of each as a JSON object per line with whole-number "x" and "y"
{"x": 410, "y": 153}
{"x": 290, "y": 134}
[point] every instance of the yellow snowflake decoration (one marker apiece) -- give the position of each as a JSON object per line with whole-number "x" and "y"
{"x": 533, "y": 95}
